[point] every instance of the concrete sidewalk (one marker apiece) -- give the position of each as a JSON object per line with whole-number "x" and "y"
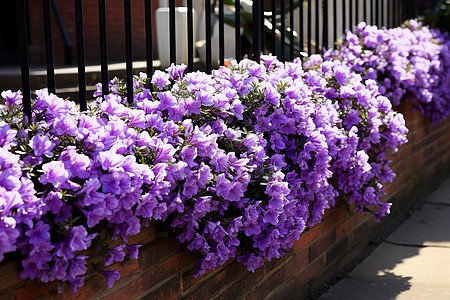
{"x": 412, "y": 263}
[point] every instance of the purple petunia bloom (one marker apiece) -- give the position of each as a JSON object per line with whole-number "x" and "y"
{"x": 41, "y": 145}
{"x": 160, "y": 79}
{"x": 111, "y": 277}
{"x": 115, "y": 254}
{"x": 54, "y": 173}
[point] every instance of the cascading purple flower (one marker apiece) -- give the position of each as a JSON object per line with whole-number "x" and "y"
{"x": 239, "y": 163}
{"x": 410, "y": 63}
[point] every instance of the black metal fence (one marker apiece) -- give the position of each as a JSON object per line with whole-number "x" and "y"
{"x": 320, "y": 23}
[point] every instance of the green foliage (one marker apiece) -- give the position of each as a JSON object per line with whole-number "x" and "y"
{"x": 439, "y": 17}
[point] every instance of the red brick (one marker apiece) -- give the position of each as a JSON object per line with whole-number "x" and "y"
{"x": 34, "y": 290}
{"x": 244, "y": 286}
{"x": 153, "y": 253}
{"x": 147, "y": 235}
{"x": 287, "y": 290}
{"x": 189, "y": 280}
{"x": 344, "y": 228}
{"x": 321, "y": 245}
{"x": 310, "y": 272}
{"x": 149, "y": 280}
{"x": 285, "y": 273}
{"x": 359, "y": 234}
{"x": 306, "y": 238}
{"x": 336, "y": 217}
{"x": 214, "y": 285}
{"x": 169, "y": 290}
{"x": 9, "y": 274}
{"x": 270, "y": 266}
{"x": 337, "y": 250}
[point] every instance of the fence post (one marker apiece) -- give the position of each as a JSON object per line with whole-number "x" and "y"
{"x": 221, "y": 35}
{"x": 48, "y": 46}
{"x": 256, "y": 14}
{"x": 129, "y": 50}
{"x": 208, "y": 35}
{"x": 24, "y": 60}
{"x": 237, "y": 29}
{"x": 149, "y": 37}
{"x": 283, "y": 32}
{"x": 325, "y": 24}
{"x": 172, "y": 46}
{"x": 190, "y": 19}
{"x": 80, "y": 54}
{"x": 103, "y": 46}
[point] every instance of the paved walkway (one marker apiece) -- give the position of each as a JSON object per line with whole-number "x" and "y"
{"x": 412, "y": 263}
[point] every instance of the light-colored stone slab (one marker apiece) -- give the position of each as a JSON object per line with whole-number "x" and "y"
{"x": 397, "y": 272}
{"x": 442, "y": 194}
{"x": 430, "y": 226}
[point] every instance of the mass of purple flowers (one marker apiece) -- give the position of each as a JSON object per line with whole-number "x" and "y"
{"x": 238, "y": 163}
{"x": 409, "y": 63}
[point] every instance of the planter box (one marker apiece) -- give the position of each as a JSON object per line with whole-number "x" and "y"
{"x": 164, "y": 268}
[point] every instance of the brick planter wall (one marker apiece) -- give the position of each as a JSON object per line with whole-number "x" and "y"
{"x": 164, "y": 268}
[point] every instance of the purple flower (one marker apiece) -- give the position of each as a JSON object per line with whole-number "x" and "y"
{"x": 79, "y": 239}
{"x": 115, "y": 254}
{"x": 111, "y": 277}
{"x": 12, "y": 98}
{"x": 160, "y": 79}
{"x": 8, "y": 237}
{"x": 41, "y": 145}
{"x": 7, "y": 136}
{"x": 40, "y": 233}
{"x": 54, "y": 173}
{"x": 133, "y": 251}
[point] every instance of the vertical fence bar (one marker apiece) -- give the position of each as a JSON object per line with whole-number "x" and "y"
{"x": 263, "y": 30}
{"x": 382, "y": 13}
{"x": 190, "y": 32}
{"x": 208, "y": 35}
{"x": 309, "y": 27}
{"x": 49, "y": 46}
{"x": 237, "y": 29}
{"x": 325, "y": 24}
{"x": 24, "y": 61}
{"x": 274, "y": 28}
{"x": 317, "y": 26}
{"x": 172, "y": 41}
{"x": 283, "y": 32}
{"x": 335, "y": 34}
{"x": 291, "y": 32}
{"x": 388, "y": 17}
{"x": 221, "y": 35}
{"x": 65, "y": 35}
{"x": 128, "y": 50}
{"x": 377, "y": 12}
{"x": 395, "y": 13}
{"x": 406, "y": 7}
{"x": 365, "y": 11}
{"x": 103, "y": 46}
{"x": 403, "y": 8}
{"x": 391, "y": 14}
{"x": 344, "y": 12}
{"x": 357, "y": 12}
{"x": 256, "y": 14}
{"x": 80, "y": 54}
{"x": 149, "y": 37}
{"x": 372, "y": 13}
{"x": 302, "y": 22}
{"x": 350, "y": 14}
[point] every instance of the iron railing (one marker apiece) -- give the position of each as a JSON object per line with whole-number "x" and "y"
{"x": 283, "y": 40}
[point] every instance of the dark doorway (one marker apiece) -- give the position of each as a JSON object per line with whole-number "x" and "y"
{"x": 9, "y": 54}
